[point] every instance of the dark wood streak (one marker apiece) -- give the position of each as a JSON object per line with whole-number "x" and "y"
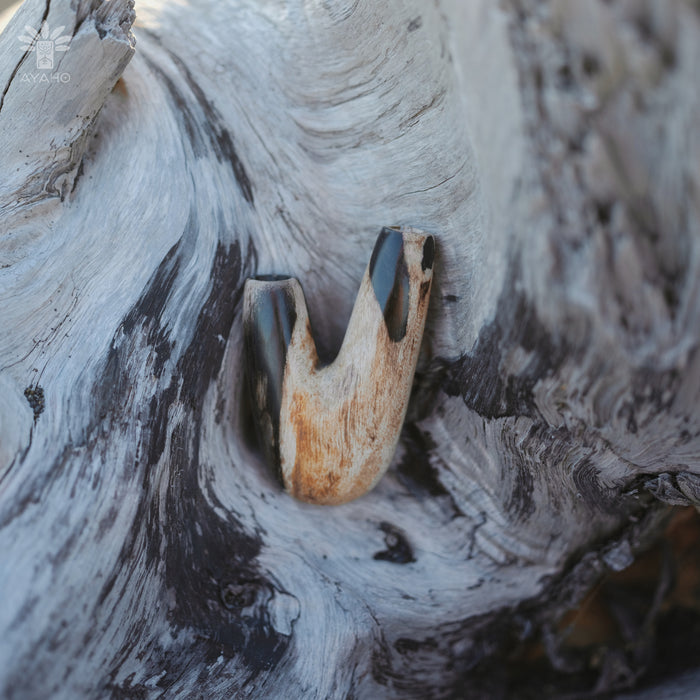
{"x": 398, "y": 548}
{"x": 205, "y": 556}
{"x": 479, "y": 377}
{"x": 415, "y": 469}
{"x": 214, "y": 553}
{"x": 206, "y": 130}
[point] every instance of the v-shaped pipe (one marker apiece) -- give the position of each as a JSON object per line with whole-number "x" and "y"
{"x": 331, "y": 431}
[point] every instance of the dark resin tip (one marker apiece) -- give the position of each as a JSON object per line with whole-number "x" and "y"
{"x": 428, "y": 253}
{"x": 268, "y": 332}
{"x": 272, "y": 278}
{"x": 389, "y": 276}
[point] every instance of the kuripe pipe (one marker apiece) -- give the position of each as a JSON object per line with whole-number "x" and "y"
{"x": 331, "y": 431}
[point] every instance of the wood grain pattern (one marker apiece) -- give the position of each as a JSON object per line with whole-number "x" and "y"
{"x": 145, "y": 548}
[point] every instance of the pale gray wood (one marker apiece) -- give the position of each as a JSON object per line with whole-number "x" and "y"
{"x": 552, "y": 148}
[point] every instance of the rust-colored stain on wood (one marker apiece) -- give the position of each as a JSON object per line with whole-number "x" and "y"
{"x": 326, "y": 467}
{"x": 307, "y": 484}
{"x": 339, "y": 424}
{"x": 120, "y": 88}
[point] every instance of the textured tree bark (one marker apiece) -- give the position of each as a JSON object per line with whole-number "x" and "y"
{"x": 553, "y": 150}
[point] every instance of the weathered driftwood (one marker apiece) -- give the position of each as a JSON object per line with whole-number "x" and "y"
{"x": 551, "y": 147}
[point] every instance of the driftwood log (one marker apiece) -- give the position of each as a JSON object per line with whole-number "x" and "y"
{"x": 176, "y": 149}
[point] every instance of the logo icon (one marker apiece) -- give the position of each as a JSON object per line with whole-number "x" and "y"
{"x": 45, "y": 43}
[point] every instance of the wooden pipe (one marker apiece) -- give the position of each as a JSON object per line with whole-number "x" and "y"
{"x": 331, "y": 431}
